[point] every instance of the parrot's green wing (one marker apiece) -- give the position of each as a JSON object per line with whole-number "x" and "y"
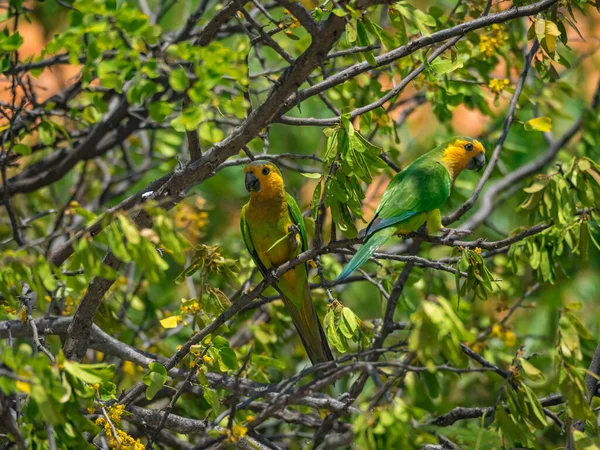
{"x": 422, "y": 187}
{"x": 247, "y": 237}
{"x": 296, "y": 216}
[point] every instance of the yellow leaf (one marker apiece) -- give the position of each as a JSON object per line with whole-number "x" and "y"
{"x": 540, "y": 27}
{"x": 550, "y": 43}
{"x": 539, "y": 124}
{"x": 170, "y": 322}
{"x": 551, "y": 29}
{"x": 23, "y": 386}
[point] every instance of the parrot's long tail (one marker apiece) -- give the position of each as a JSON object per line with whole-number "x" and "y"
{"x": 307, "y": 324}
{"x": 372, "y": 243}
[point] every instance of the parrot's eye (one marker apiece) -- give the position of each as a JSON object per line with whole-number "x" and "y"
{"x": 469, "y": 147}
{"x": 266, "y": 171}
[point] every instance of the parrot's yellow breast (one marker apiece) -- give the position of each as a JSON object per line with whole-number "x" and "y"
{"x": 271, "y": 236}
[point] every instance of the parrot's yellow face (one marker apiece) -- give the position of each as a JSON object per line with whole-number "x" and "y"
{"x": 263, "y": 178}
{"x": 463, "y": 153}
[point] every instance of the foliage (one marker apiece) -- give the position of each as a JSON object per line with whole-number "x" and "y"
{"x": 131, "y": 315}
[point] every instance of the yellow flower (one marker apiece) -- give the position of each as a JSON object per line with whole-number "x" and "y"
{"x": 10, "y": 310}
{"x": 510, "y": 338}
{"x": 130, "y": 368}
{"x": 117, "y": 438}
{"x": 115, "y": 412}
{"x": 295, "y": 23}
{"x": 192, "y": 308}
{"x": 124, "y": 442}
{"x": 239, "y": 431}
{"x": 486, "y": 47}
{"x": 497, "y": 330}
{"x": 497, "y": 86}
{"x": 23, "y": 315}
{"x": 207, "y": 359}
{"x": 489, "y": 44}
{"x": 190, "y": 219}
{"x": 70, "y": 305}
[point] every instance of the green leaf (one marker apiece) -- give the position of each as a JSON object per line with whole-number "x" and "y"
{"x": 351, "y": 32}
{"x": 131, "y": 232}
{"x": 213, "y": 400}
{"x": 363, "y": 40}
{"x": 160, "y": 110}
{"x": 332, "y": 335}
{"x": 11, "y": 43}
{"x": 229, "y": 358}
{"x": 416, "y": 17}
{"x": 47, "y": 133}
{"x": 444, "y": 66}
{"x": 158, "y": 367}
{"x": 267, "y": 361}
{"x": 350, "y": 319}
{"x": 398, "y": 22}
{"x": 79, "y": 371}
{"x": 535, "y": 187}
{"x": 21, "y": 149}
{"x": 532, "y": 372}
{"x": 155, "y": 382}
{"x": 178, "y": 79}
{"x": 538, "y": 419}
{"x": 155, "y": 379}
{"x": 583, "y": 441}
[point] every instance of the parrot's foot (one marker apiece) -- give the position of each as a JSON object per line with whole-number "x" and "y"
{"x": 293, "y": 229}
{"x": 293, "y": 232}
{"x": 452, "y": 233}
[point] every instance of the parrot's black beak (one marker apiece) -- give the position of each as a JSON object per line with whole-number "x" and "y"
{"x": 252, "y": 182}
{"x": 477, "y": 162}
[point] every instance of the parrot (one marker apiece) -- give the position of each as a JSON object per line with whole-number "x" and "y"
{"x": 414, "y": 196}
{"x": 274, "y": 232}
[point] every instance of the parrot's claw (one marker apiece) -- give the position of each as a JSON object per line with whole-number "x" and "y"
{"x": 293, "y": 229}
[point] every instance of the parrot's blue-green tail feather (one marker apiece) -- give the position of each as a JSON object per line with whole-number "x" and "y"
{"x": 372, "y": 243}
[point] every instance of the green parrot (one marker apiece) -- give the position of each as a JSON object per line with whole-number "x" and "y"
{"x": 274, "y": 232}
{"x": 415, "y": 195}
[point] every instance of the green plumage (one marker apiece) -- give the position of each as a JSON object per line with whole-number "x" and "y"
{"x": 265, "y": 225}
{"x": 407, "y": 203}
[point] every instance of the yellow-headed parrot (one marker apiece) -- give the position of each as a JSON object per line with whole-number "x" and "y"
{"x": 415, "y": 195}
{"x": 274, "y": 232}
